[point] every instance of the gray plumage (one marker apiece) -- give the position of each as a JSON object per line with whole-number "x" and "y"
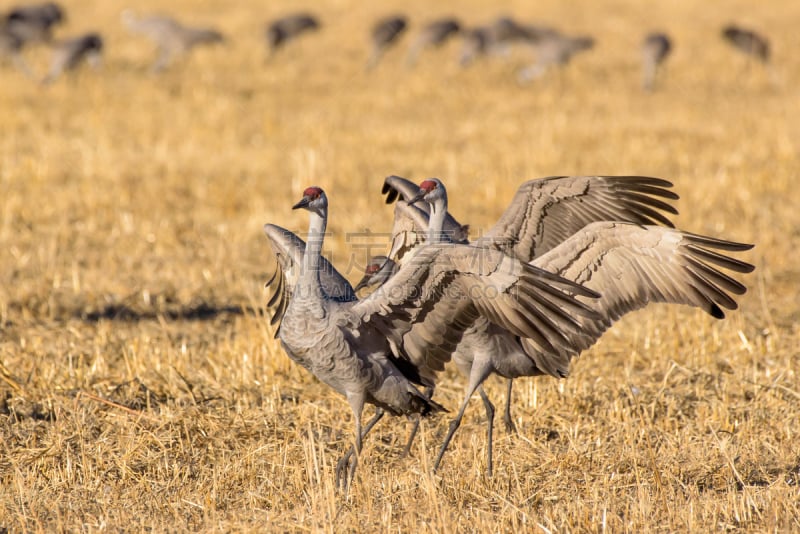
{"x": 287, "y": 28}
{"x": 33, "y": 23}
{"x": 748, "y": 42}
{"x": 377, "y": 271}
{"x": 288, "y": 250}
{"x": 410, "y": 226}
{"x": 542, "y": 214}
{"x": 629, "y": 265}
{"x": 68, "y": 54}
{"x": 11, "y": 50}
{"x": 507, "y": 30}
{"x": 385, "y": 34}
{"x": 553, "y": 49}
{"x": 173, "y": 40}
{"x": 377, "y": 349}
{"x": 433, "y": 34}
{"x": 655, "y": 49}
{"x": 542, "y": 224}
{"x": 497, "y": 37}
{"x": 546, "y": 211}
{"x": 10, "y": 44}
{"x": 475, "y": 44}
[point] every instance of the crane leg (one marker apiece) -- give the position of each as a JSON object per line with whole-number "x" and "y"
{"x": 477, "y": 375}
{"x": 428, "y": 393}
{"x": 507, "y": 419}
{"x": 489, "y": 426}
{"x": 346, "y": 467}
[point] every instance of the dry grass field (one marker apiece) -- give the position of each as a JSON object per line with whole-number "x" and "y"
{"x": 140, "y": 385}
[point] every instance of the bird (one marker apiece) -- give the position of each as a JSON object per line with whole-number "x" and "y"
{"x": 33, "y": 23}
{"x": 172, "y": 38}
{"x": 379, "y": 349}
{"x": 11, "y": 50}
{"x": 385, "y": 33}
{"x": 632, "y": 266}
{"x": 377, "y": 271}
{"x": 656, "y": 47}
{"x": 553, "y": 49}
{"x": 68, "y": 54}
{"x": 10, "y": 43}
{"x": 507, "y": 30}
{"x": 433, "y": 34}
{"x": 475, "y": 44}
{"x": 543, "y": 212}
{"x": 282, "y": 30}
{"x": 495, "y": 38}
{"x": 748, "y": 42}
{"x": 543, "y": 215}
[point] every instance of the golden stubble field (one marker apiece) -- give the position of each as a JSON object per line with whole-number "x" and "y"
{"x": 141, "y": 388}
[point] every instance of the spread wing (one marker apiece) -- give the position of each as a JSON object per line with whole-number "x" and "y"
{"x": 289, "y": 250}
{"x": 439, "y": 292}
{"x": 547, "y": 211}
{"x": 396, "y": 186}
{"x": 631, "y": 266}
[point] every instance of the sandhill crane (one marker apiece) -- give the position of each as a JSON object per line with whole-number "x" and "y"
{"x": 475, "y": 43}
{"x": 282, "y": 30}
{"x": 433, "y": 34}
{"x": 630, "y": 266}
{"x": 11, "y": 50}
{"x": 543, "y": 214}
{"x": 33, "y": 23}
{"x": 10, "y": 44}
{"x": 377, "y": 271}
{"x": 377, "y": 349}
{"x": 553, "y": 49}
{"x": 70, "y": 53}
{"x": 507, "y": 30}
{"x": 495, "y": 37}
{"x": 385, "y": 33}
{"x": 655, "y": 49}
{"x": 747, "y": 42}
{"x": 172, "y": 38}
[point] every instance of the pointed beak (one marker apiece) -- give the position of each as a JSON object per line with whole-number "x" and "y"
{"x": 364, "y": 282}
{"x": 302, "y": 204}
{"x": 418, "y": 197}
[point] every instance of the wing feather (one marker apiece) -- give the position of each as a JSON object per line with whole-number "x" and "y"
{"x": 408, "y": 230}
{"x": 545, "y": 212}
{"x": 443, "y": 289}
{"x": 288, "y": 250}
{"x": 632, "y": 265}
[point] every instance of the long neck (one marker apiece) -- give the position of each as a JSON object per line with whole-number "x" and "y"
{"x": 436, "y": 220}
{"x": 309, "y": 272}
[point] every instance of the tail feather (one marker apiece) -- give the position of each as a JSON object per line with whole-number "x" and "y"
{"x": 425, "y": 406}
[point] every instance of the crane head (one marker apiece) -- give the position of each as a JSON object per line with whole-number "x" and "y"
{"x": 313, "y": 199}
{"x": 429, "y": 190}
